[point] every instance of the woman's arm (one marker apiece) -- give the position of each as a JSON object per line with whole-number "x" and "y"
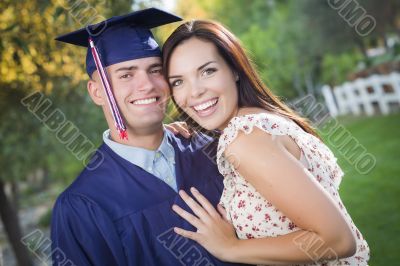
{"x": 280, "y": 178}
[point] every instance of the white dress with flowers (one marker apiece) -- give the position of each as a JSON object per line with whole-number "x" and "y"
{"x": 250, "y": 213}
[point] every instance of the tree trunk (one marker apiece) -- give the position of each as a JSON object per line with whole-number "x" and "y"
{"x": 45, "y": 180}
{"x": 15, "y": 195}
{"x": 11, "y": 225}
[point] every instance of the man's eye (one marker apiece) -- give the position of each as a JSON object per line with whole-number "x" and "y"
{"x": 125, "y": 76}
{"x": 156, "y": 71}
{"x": 176, "y": 83}
{"x": 209, "y": 71}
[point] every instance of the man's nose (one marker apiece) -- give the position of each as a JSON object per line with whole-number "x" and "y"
{"x": 144, "y": 82}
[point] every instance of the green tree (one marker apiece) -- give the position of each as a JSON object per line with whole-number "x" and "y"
{"x": 30, "y": 60}
{"x": 299, "y": 45}
{"x": 268, "y": 34}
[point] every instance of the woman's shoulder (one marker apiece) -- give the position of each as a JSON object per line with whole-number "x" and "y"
{"x": 244, "y": 111}
{"x": 248, "y": 119}
{"x": 251, "y": 124}
{"x": 255, "y": 115}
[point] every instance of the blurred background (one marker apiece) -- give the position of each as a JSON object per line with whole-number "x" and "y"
{"x": 337, "y": 62}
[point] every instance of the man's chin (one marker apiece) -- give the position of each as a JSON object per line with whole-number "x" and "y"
{"x": 149, "y": 124}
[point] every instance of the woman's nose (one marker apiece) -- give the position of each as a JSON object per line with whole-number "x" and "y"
{"x": 197, "y": 90}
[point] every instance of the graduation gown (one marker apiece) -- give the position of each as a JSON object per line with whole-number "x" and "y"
{"x": 115, "y": 213}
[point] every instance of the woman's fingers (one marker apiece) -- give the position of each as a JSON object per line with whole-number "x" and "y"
{"x": 172, "y": 129}
{"x": 179, "y": 128}
{"x": 193, "y": 220}
{"x": 204, "y": 202}
{"x": 196, "y": 208}
{"x": 223, "y": 212}
{"x": 188, "y": 234}
{"x": 182, "y": 129}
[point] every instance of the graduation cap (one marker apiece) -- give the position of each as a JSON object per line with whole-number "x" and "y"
{"x": 119, "y": 39}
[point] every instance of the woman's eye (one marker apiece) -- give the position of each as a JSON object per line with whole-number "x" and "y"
{"x": 209, "y": 71}
{"x": 176, "y": 83}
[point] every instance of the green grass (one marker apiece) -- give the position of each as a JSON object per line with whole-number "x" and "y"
{"x": 373, "y": 199}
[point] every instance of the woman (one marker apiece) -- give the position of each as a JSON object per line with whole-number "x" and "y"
{"x": 280, "y": 203}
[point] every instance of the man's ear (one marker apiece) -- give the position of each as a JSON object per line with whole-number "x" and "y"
{"x": 95, "y": 91}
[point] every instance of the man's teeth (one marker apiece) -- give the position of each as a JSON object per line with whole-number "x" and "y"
{"x": 205, "y": 105}
{"x": 145, "y": 101}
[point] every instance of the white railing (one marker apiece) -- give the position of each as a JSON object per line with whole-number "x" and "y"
{"x": 364, "y": 95}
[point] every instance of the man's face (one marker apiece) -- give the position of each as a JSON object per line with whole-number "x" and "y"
{"x": 140, "y": 90}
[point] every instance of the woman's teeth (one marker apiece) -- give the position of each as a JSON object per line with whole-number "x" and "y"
{"x": 145, "y": 101}
{"x": 205, "y": 105}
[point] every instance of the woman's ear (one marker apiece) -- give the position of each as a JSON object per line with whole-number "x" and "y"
{"x": 236, "y": 76}
{"x": 96, "y": 92}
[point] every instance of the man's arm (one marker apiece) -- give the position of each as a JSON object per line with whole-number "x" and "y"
{"x": 83, "y": 234}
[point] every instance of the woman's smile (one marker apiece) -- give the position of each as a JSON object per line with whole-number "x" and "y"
{"x": 206, "y": 108}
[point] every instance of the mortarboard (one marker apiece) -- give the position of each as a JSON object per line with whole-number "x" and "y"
{"x": 119, "y": 39}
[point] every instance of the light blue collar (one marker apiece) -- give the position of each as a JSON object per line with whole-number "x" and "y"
{"x": 141, "y": 157}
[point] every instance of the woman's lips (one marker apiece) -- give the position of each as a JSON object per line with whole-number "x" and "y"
{"x": 207, "y": 108}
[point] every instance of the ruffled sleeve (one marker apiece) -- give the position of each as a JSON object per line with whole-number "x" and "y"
{"x": 320, "y": 159}
{"x": 83, "y": 234}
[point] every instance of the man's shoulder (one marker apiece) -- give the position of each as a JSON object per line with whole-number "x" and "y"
{"x": 97, "y": 172}
{"x": 199, "y": 153}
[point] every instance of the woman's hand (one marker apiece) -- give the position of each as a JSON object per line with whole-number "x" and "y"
{"x": 179, "y": 128}
{"x": 214, "y": 232}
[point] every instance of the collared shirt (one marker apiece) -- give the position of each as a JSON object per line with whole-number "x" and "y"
{"x": 160, "y": 163}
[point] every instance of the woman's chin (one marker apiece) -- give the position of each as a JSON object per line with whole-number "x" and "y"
{"x": 207, "y": 125}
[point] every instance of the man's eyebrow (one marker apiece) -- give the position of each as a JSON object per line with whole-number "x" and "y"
{"x": 199, "y": 68}
{"x": 155, "y": 65}
{"x": 126, "y": 68}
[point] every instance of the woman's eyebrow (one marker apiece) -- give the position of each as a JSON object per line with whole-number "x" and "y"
{"x": 176, "y": 76}
{"x": 199, "y": 68}
{"x": 204, "y": 65}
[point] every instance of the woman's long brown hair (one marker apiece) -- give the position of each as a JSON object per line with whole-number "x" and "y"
{"x": 252, "y": 92}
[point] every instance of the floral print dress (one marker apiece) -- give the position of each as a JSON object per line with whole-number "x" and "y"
{"x": 250, "y": 213}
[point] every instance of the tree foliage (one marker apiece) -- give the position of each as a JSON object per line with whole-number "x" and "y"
{"x": 299, "y": 45}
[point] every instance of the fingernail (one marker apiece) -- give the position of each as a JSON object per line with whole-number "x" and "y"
{"x": 194, "y": 189}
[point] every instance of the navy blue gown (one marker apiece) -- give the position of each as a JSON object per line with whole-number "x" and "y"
{"x": 115, "y": 213}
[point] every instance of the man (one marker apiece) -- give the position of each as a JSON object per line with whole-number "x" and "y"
{"x": 118, "y": 210}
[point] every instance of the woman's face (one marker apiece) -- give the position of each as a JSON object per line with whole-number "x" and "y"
{"x": 203, "y": 84}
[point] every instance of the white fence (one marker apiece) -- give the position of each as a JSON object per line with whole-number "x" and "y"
{"x": 375, "y": 94}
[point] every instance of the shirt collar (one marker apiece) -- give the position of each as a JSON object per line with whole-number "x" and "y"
{"x": 166, "y": 149}
{"x": 141, "y": 157}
